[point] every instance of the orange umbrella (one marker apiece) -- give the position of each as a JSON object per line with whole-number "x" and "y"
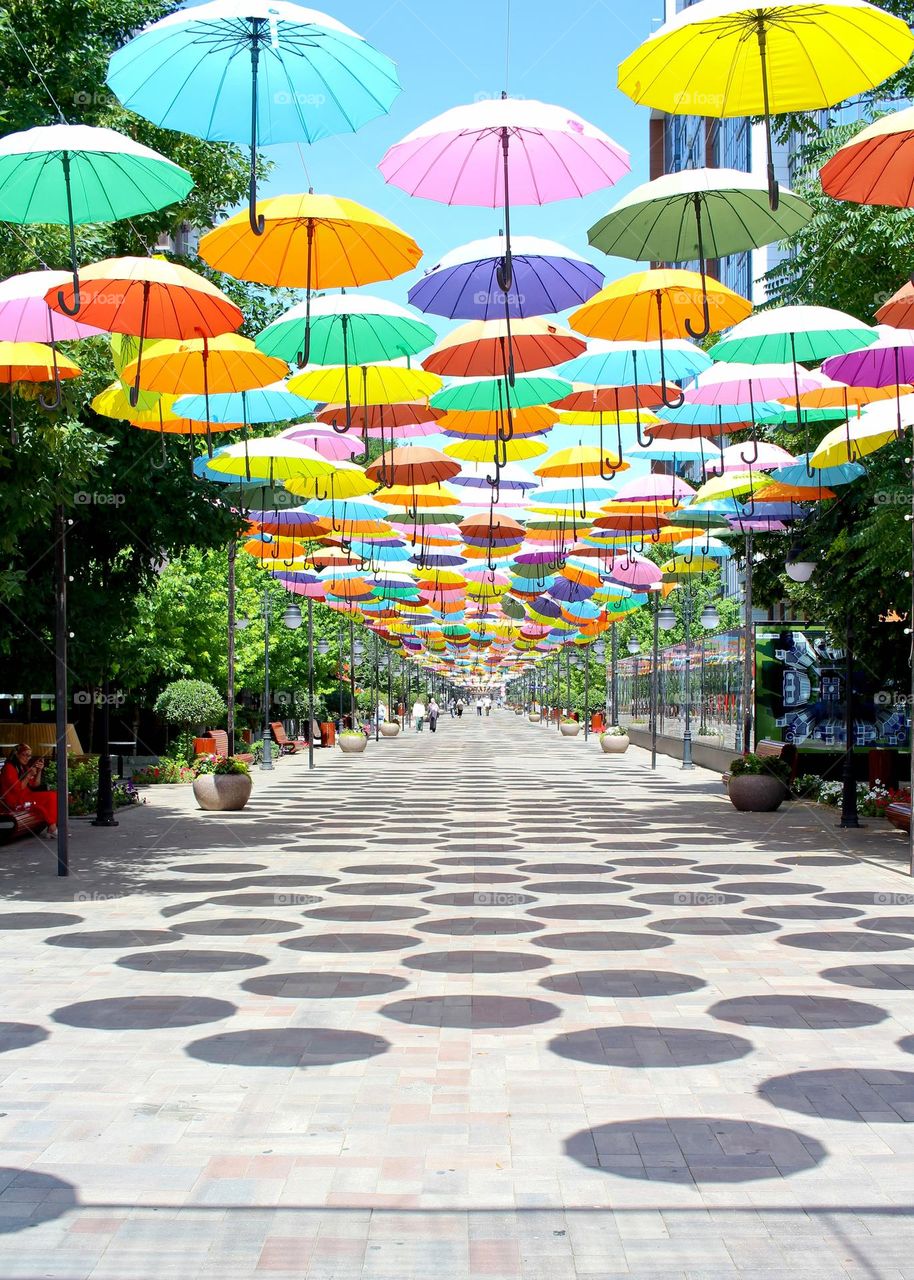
{"x": 877, "y": 165}
{"x": 487, "y": 423}
{"x": 32, "y": 362}
{"x": 378, "y": 418}
{"x": 899, "y": 310}
{"x": 149, "y": 298}
{"x": 496, "y": 348}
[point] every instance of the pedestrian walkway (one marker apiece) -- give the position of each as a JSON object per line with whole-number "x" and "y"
{"x": 407, "y": 1019}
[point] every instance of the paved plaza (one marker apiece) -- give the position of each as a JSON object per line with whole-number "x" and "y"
{"x": 479, "y": 1004}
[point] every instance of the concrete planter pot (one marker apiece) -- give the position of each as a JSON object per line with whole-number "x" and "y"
{"x": 534, "y": 717}
{"x": 352, "y": 744}
{"x": 389, "y": 729}
{"x": 614, "y": 744}
{"x": 756, "y": 792}
{"x": 570, "y": 730}
{"x": 222, "y": 792}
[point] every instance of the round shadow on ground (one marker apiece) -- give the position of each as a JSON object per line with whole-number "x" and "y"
{"x": 475, "y": 962}
{"x": 287, "y": 1047}
{"x": 471, "y": 1012}
{"x": 664, "y": 877}
{"x": 284, "y": 882}
{"x": 623, "y": 984}
{"x": 474, "y": 926}
{"x": 888, "y": 924}
{"x": 654, "y": 862}
{"x": 20, "y": 1035}
{"x": 238, "y": 927}
{"x": 143, "y": 1013}
{"x": 867, "y": 1095}
{"x": 695, "y": 1150}
{"x": 786, "y": 887}
{"x": 742, "y": 869}
{"x": 354, "y": 943}
{"x": 580, "y": 887}
{"x": 798, "y": 1013}
{"x": 845, "y": 940}
{"x": 714, "y": 926}
{"x": 688, "y": 898}
{"x": 587, "y": 911}
{"x": 866, "y": 898}
{"x": 872, "y": 977}
{"x": 36, "y": 920}
{"x": 634, "y": 1046}
{"x": 566, "y": 868}
{"x": 190, "y": 961}
{"x": 367, "y": 913}
{"x": 40, "y": 1197}
{"x": 378, "y": 888}
{"x": 282, "y": 898}
{"x": 326, "y": 985}
{"x": 465, "y": 861}
{"x": 802, "y": 911}
{"x": 114, "y": 938}
{"x": 481, "y": 898}
{"x": 218, "y": 868}
{"x": 816, "y": 860}
{"x": 607, "y": 940}
{"x": 475, "y": 877}
{"x": 388, "y": 869}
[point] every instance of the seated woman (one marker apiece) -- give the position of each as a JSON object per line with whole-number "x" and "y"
{"x": 21, "y": 786}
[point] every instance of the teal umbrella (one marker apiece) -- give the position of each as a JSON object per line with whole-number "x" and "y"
{"x": 346, "y": 329}
{"x": 487, "y": 395}
{"x": 697, "y": 214}
{"x": 71, "y": 174}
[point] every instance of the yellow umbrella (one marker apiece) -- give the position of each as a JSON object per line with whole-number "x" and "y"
{"x": 732, "y": 485}
{"x": 377, "y": 384}
{"x": 509, "y": 451}
{"x": 154, "y": 412}
{"x": 33, "y": 362}
{"x": 345, "y": 480}
{"x": 684, "y": 566}
{"x": 420, "y": 496}
{"x": 850, "y": 442}
{"x": 650, "y": 305}
{"x": 275, "y": 459}
{"x": 758, "y": 57}
{"x": 579, "y": 461}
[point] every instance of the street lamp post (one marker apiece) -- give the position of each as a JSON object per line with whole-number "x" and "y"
{"x": 586, "y": 692}
{"x": 654, "y": 682}
{"x": 709, "y": 619}
{"x": 613, "y": 679}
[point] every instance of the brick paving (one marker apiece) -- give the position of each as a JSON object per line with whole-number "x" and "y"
{"x": 482, "y": 1004}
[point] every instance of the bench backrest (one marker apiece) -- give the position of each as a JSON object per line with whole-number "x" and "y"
{"x": 220, "y": 737}
{"x": 279, "y": 733}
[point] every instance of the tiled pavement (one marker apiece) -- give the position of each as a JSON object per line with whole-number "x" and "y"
{"x": 484, "y": 1004}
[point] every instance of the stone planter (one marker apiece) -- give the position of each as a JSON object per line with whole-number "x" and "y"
{"x": 614, "y": 744}
{"x": 570, "y": 730}
{"x": 222, "y": 792}
{"x": 389, "y": 728}
{"x": 352, "y": 744}
{"x": 534, "y": 717}
{"x": 756, "y": 792}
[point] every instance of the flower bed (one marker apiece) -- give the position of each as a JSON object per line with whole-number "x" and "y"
{"x": 872, "y": 801}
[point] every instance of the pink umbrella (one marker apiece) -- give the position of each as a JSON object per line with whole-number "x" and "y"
{"x": 768, "y": 457}
{"x": 729, "y": 383}
{"x": 26, "y": 317}
{"x": 634, "y": 570}
{"x": 328, "y": 443}
{"x": 656, "y": 487}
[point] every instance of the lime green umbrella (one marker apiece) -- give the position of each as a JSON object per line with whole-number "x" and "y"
{"x": 697, "y": 214}
{"x": 488, "y": 395}
{"x": 346, "y": 329}
{"x": 72, "y": 174}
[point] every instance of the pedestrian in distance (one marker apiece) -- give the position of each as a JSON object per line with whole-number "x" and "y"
{"x": 479, "y": 705}
{"x": 419, "y": 713}
{"x": 433, "y": 713}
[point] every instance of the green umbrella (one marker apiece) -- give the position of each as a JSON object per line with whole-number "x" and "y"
{"x": 347, "y": 329}
{"x": 487, "y": 395}
{"x": 72, "y": 174}
{"x": 697, "y": 214}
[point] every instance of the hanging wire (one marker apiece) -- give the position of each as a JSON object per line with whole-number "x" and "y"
{"x": 28, "y": 57}
{"x": 507, "y": 40}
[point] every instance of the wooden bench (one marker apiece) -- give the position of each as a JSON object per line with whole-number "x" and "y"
{"x": 220, "y": 737}
{"x": 769, "y": 749}
{"x": 287, "y": 745}
{"x": 899, "y": 814}
{"x": 19, "y": 822}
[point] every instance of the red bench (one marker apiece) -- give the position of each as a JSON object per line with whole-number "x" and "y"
{"x": 287, "y": 745}
{"x": 19, "y": 822}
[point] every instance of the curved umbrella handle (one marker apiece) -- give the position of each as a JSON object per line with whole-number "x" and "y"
{"x": 51, "y": 405}
{"x": 77, "y": 300}
{"x": 675, "y": 403}
{"x": 645, "y": 439}
{"x": 750, "y": 462}
{"x": 705, "y": 328}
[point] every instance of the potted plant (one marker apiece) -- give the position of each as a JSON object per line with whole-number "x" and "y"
{"x": 569, "y": 727}
{"x": 614, "y": 740}
{"x": 351, "y": 742}
{"x": 190, "y": 706}
{"x": 390, "y": 728}
{"x": 222, "y": 783}
{"x": 757, "y": 784}
{"x": 534, "y": 716}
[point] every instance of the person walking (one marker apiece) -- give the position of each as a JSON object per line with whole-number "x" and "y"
{"x": 452, "y": 707}
{"x": 419, "y": 713}
{"x": 479, "y": 705}
{"x": 487, "y": 703}
{"x": 433, "y": 713}
{"x": 460, "y": 705}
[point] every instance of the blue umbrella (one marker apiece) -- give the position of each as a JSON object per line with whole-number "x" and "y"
{"x": 263, "y": 404}
{"x": 826, "y": 477}
{"x": 258, "y": 71}
{"x": 546, "y": 278}
{"x": 628, "y": 364}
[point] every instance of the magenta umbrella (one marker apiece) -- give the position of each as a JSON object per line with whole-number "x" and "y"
{"x": 328, "y": 443}
{"x": 504, "y": 151}
{"x": 26, "y": 317}
{"x": 656, "y": 487}
{"x": 730, "y": 383}
{"x": 634, "y": 570}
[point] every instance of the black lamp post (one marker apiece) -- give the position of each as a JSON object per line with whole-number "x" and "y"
{"x": 709, "y": 619}
{"x": 654, "y": 680}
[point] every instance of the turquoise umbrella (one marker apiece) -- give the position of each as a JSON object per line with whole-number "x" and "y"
{"x": 487, "y": 395}
{"x": 346, "y": 329}
{"x": 72, "y": 174}
{"x": 257, "y": 71}
{"x": 263, "y": 404}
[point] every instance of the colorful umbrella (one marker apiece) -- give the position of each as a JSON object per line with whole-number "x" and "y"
{"x": 348, "y": 329}
{"x": 411, "y": 466}
{"x": 720, "y": 58}
{"x": 264, "y": 71}
{"x": 877, "y": 165}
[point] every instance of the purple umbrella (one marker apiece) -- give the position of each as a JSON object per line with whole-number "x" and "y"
{"x": 547, "y": 278}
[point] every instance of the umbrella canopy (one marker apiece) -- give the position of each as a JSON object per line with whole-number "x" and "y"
{"x": 730, "y": 382}
{"x": 33, "y": 362}
{"x": 347, "y": 329}
{"x": 376, "y": 383}
{"x": 155, "y": 412}
{"x": 480, "y": 450}
{"x": 547, "y": 278}
{"x": 796, "y": 334}
{"x": 258, "y": 71}
{"x": 376, "y": 419}
{"x": 490, "y": 395}
{"x": 631, "y": 363}
{"x": 201, "y": 366}
{"x": 754, "y": 58}
{"x": 412, "y": 466}
{"x": 274, "y": 459}
{"x": 328, "y": 443}
{"x": 580, "y": 460}
{"x": 74, "y": 173}
{"x": 25, "y": 315}
{"x": 899, "y": 310}
{"x": 483, "y": 348}
{"x": 877, "y": 165}
{"x": 261, "y": 404}
{"x": 887, "y": 362}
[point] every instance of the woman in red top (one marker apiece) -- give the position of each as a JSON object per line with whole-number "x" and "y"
{"x": 20, "y": 786}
